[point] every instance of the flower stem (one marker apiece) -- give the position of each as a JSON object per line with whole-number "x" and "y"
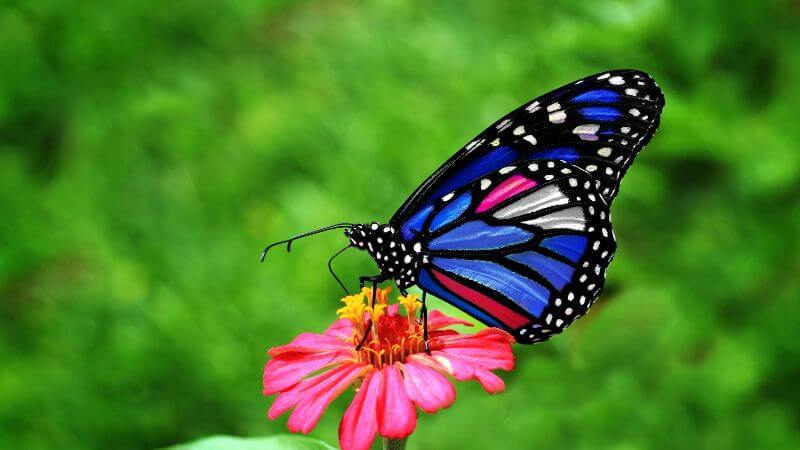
{"x": 394, "y": 444}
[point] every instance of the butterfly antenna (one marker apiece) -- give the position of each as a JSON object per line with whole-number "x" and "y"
{"x": 289, "y": 241}
{"x": 330, "y": 269}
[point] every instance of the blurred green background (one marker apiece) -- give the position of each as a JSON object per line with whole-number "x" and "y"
{"x": 149, "y": 149}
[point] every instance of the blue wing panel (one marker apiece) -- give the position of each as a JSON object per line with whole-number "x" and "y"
{"x": 556, "y": 272}
{"x": 489, "y": 162}
{"x": 414, "y": 224}
{"x": 427, "y": 283}
{"x": 567, "y": 154}
{"x": 570, "y": 246}
{"x": 478, "y": 235}
{"x": 451, "y": 211}
{"x": 600, "y": 113}
{"x": 528, "y": 294}
{"x": 597, "y": 96}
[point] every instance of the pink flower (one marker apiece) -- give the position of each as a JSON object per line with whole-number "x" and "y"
{"x": 393, "y": 373}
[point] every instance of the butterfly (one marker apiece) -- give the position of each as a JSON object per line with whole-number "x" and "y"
{"x": 514, "y": 229}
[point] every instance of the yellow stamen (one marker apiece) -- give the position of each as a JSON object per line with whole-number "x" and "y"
{"x": 411, "y": 303}
{"x": 381, "y": 295}
{"x": 376, "y": 312}
{"x": 353, "y": 308}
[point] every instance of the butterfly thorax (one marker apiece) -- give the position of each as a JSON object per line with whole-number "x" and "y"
{"x": 394, "y": 257}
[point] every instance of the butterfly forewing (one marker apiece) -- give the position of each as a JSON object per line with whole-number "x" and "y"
{"x": 524, "y": 248}
{"x": 598, "y": 123}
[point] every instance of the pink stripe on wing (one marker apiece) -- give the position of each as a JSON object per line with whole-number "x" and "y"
{"x": 488, "y": 304}
{"x": 505, "y": 190}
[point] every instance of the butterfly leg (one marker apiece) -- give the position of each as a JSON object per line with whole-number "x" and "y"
{"x": 424, "y": 313}
{"x": 375, "y": 279}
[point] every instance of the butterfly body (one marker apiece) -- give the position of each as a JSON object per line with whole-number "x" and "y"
{"x": 397, "y": 259}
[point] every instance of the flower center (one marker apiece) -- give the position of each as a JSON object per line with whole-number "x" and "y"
{"x": 392, "y": 339}
{"x": 392, "y": 329}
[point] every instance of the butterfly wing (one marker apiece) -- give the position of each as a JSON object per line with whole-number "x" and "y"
{"x": 524, "y": 248}
{"x": 598, "y": 123}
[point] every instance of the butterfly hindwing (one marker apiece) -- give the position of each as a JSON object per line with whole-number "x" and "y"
{"x": 524, "y": 248}
{"x": 598, "y": 123}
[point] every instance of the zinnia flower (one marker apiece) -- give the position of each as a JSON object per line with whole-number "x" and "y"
{"x": 393, "y": 372}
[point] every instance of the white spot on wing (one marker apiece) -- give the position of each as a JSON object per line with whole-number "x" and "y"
{"x": 506, "y": 169}
{"x": 474, "y": 144}
{"x": 616, "y": 81}
{"x": 530, "y": 138}
{"x": 519, "y": 130}
{"x": 533, "y": 107}
{"x": 503, "y": 125}
{"x": 553, "y": 107}
{"x": 604, "y": 151}
{"x": 587, "y": 132}
{"x": 557, "y": 117}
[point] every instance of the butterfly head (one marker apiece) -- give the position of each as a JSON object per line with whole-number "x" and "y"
{"x": 393, "y": 256}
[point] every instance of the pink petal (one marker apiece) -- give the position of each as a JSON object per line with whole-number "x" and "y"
{"x": 460, "y": 369}
{"x": 360, "y": 424}
{"x": 429, "y": 389}
{"x": 312, "y": 343}
{"x": 438, "y": 320}
{"x": 313, "y": 387}
{"x": 396, "y": 415}
{"x": 487, "y": 349}
{"x": 341, "y": 329}
{"x": 442, "y": 332}
{"x": 288, "y": 369}
{"x": 288, "y": 399}
{"x": 310, "y": 408}
{"x": 491, "y": 382}
{"x": 393, "y": 309}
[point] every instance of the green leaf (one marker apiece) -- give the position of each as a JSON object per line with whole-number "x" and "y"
{"x": 282, "y": 442}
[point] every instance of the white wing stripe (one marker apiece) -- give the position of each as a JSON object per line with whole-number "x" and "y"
{"x": 570, "y": 218}
{"x": 545, "y": 197}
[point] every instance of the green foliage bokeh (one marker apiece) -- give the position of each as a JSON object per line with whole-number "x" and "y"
{"x": 149, "y": 149}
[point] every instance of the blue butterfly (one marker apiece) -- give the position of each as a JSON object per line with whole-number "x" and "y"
{"x": 514, "y": 228}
